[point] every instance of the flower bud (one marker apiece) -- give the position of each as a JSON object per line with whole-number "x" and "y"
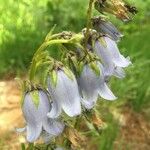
{"x": 107, "y": 28}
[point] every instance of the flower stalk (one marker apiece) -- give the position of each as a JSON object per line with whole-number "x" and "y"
{"x": 68, "y": 88}
{"x": 89, "y": 24}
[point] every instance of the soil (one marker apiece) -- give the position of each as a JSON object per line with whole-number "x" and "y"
{"x": 10, "y": 115}
{"x": 134, "y": 127}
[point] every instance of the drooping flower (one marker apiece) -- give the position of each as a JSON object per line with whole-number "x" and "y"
{"x": 64, "y": 93}
{"x": 107, "y": 28}
{"x": 91, "y": 85}
{"x": 35, "y": 107}
{"x": 111, "y": 58}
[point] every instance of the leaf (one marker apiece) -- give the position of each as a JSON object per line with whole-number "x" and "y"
{"x": 35, "y": 97}
{"x": 50, "y": 33}
{"x": 54, "y": 77}
{"x": 44, "y": 77}
{"x": 69, "y": 73}
{"x": 30, "y": 146}
{"x": 23, "y": 146}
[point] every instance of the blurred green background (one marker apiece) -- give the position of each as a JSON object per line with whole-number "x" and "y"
{"x": 24, "y": 24}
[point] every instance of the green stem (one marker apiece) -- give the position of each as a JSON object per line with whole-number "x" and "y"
{"x": 33, "y": 68}
{"x": 89, "y": 25}
{"x": 96, "y": 129}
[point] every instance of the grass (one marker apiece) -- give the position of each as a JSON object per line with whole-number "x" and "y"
{"x": 135, "y": 88}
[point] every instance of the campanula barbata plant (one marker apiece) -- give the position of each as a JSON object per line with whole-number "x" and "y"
{"x": 59, "y": 94}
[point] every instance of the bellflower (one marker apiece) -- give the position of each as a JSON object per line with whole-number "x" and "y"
{"x": 106, "y": 27}
{"x": 65, "y": 95}
{"x": 92, "y": 85}
{"x": 112, "y": 60}
{"x": 35, "y": 107}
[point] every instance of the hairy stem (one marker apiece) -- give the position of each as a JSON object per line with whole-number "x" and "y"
{"x": 89, "y": 25}
{"x": 33, "y": 68}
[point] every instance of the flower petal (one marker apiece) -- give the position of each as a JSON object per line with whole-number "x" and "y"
{"x": 88, "y": 83}
{"x": 35, "y": 115}
{"x": 106, "y": 57}
{"x": 47, "y": 137}
{"x": 118, "y": 59}
{"x": 106, "y": 93}
{"x": 55, "y": 111}
{"x": 67, "y": 94}
{"x": 33, "y": 132}
{"x": 108, "y": 28}
{"x": 119, "y": 72}
{"x": 20, "y": 130}
{"x": 87, "y": 103}
{"x": 53, "y": 127}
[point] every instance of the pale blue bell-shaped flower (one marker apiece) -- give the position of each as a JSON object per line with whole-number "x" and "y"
{"x": 35, "y": 113}
{"x": 112, "y": 60}
{"x": 92, "y": 86}
{"x": 108, "y": 28}
{"x": 65, "y": 96}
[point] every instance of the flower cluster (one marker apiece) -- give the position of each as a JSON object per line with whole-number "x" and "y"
{"x": 71, "y": 85}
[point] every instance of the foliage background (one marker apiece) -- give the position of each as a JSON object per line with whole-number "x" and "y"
{"x": 24, "y": 24}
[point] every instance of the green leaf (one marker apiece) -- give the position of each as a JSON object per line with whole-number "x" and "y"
{"x": 23, "y": 146}
{"x": 30, "y": 146}
{"x": 69, "y": 73}
{"x": 44, "y": 77}
{"x": 95, "y": 68}
{"x": 54, "y": 77}
{"x": 35, "y": 97}
{"x": 50, "y": 33}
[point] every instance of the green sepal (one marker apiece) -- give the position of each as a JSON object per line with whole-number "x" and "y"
{"x": 77, "y": 38}
{"x": 54, "y": 77}
{"x": 35, "y": 97}
{"x": 23, "y": 147}
{"x": 65, "y": 61}
{"x": 69, "y": 73}
{"x": 44, "y": 77}
{"x": 80, "y": 67}
{"x": 103, "y": 42}
{"x": 95, "y": 68}
{"x": 75, "y": 62}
